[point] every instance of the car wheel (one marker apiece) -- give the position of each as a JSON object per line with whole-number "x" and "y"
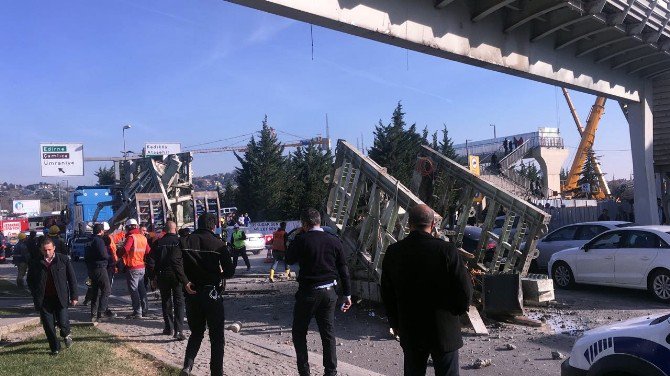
{"x": 562, "y": 275}
{"x": 256, "y": 252}
{"x": 659, "y": 285}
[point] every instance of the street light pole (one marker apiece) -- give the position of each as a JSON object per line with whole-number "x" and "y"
{"x": 494, "y": 130}
{"x": 125, "y": 151}
{"x": 467, "y": 149}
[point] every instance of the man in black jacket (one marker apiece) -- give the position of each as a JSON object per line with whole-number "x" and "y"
{"x": 207, "y": 263}
{"x": 53, "y": 285}
{"x": 168, "y": 272}
{"x": 322, "y": 263}
{"x": 426, "y": 287}
{"x": 96, "y": 257}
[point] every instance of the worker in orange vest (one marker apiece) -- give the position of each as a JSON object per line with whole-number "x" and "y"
{"x": 133, "y": 253}
{"x": 279, "y": 251}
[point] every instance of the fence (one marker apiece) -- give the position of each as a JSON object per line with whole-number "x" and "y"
{"x": 564, "y": 215}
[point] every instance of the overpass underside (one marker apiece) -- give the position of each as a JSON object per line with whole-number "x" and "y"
{"x": 615, "y": 48}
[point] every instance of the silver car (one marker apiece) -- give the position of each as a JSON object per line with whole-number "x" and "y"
{"x": 570, "y": 236}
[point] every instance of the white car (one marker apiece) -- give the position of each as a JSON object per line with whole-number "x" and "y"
{"x": 255, "y": 242}
{"x": 636, "y": 257}
{"x": 637, "y": 347}
{"x": 571, "y": 236}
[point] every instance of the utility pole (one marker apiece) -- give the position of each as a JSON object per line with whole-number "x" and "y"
{"x": 494, "y": 130}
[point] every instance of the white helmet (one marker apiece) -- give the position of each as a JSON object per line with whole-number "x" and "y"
{"x": 131, "y": 222}
{"x": 105, "y": 226}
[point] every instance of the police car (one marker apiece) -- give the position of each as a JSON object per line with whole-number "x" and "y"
{"x": 637, "y": 347}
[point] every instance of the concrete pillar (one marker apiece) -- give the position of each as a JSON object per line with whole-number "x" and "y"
{"x": 551, "y": 161}
{"x": 641, "y": 124}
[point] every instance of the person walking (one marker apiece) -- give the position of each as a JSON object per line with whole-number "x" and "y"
{"x": 133, "y": 254}
{"x": 239, "y": 249}
{"x": 207, "y": 264}
{"x": 168, "y": 274}
{"x": 279, "y": 251}
{"x": 425, "y": 287}
{"x": 21, "y": 258}
{"x": 53, "y": 285}
{"x": 96, "y": 257}
{"x": 322, "y": 264}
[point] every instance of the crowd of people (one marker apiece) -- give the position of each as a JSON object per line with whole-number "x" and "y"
{"x": 190, "y": 271}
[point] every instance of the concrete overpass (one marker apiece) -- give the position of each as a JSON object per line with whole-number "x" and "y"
{"x": 615, "y": 48}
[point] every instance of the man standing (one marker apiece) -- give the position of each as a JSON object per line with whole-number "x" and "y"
{"x": 135, "y": 249}
{"x": 322, "y": 263}
{"x": 239, "y": 249}
{"x": 604, "y": 216}
{"x": 96, "y": 257}
{"x": 279, "y": 250}
{"x": 61, "y": 247}
{"x": 21, "y": 258}
{"x": 425, "y": 287}
{"x": 207, "y": 263}
{"x": 53, "y": 285}
{"x": 168, "y": 272}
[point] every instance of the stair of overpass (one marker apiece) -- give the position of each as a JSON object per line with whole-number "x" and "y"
{"x": 515, "y": 187}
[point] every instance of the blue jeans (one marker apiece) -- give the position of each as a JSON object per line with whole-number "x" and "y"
{"x": 137, "y": 290}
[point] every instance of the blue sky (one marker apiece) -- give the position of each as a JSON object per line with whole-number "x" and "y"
{"x": 203, "y": 70}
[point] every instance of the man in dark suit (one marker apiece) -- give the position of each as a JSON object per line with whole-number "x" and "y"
{"x": 426, "y": 287}
{"x": 53, "y": 285}
{"x": 168, "y": 273}
{"x": 322, "y": 264}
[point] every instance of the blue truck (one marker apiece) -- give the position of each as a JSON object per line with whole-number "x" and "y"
{"x": 83, "y": 203}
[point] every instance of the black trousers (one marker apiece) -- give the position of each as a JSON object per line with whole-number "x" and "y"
{"x": 52, "y": 314}
{"x": 241, "y": 252}
{"x": 172, "y": 302}
{"x": 444, "y": 363}
{"x": 204, "y": 312}
{"x": 320, "y": 304}
{"x": 100, "y": 290}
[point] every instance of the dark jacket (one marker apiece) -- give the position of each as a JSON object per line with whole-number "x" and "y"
{"x": 425, "y": 287}
{"x": 96, "y": 254}
{"x": 63, "y": 277}
{"x": 206, "y": 258}
{"x": 167, "y": 260}
{"x": 321, "y": 260}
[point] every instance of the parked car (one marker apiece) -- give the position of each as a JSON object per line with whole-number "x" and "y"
{"x": 637, "y": 347}
{"x": 78, "y": 246}
{"x": 255, "y": 242}
{"x": 571, "y": 236}
{"x": 471, "y": 236}
{"x": 636, "y": 257}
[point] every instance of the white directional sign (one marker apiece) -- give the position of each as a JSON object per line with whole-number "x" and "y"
{"x": 161, "y": 148}
{"x": 62, "y": 159}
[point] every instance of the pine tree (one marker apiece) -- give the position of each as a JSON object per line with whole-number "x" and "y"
{"x": 446, "y": 146}
{"x": 589, "y": 174}
{"x": 434, "y": 144}
{"x": 228, "y": 196}
{"x": 563, "y": 175}
{"x": 308, "y": 167}
{"x": 424, "y": 136}
{"x": 396, "y": 148}
{"x": 261, "y": 179}
{"x": 105, "y": 175}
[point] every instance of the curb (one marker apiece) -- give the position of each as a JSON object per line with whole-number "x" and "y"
{"x": 6, "y": 329}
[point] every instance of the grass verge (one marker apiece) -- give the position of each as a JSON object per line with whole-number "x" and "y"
{"x": 93, "y": 353}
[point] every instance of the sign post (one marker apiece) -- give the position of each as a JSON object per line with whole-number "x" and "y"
{"x": 62, "y": 159}
{"x": 153, "y": 149}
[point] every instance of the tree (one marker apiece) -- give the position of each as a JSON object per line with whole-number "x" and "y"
{"x": 228, "y": 195}
{"x": 424, "y": 136}
{"x": 589, "y": 175}
{"x": 395, "y": 147}
{"x": 105, "y": 175}
{"x": 563, "y": 175}
{"x": 308, "y": 167}
{"x": 446, "y": 145}
{"x": 261, "y": 179}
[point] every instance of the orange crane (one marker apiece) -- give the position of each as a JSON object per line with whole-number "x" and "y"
{"x": 585, "y": 145}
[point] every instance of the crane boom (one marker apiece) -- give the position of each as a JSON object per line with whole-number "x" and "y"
{"x": 604, "y": 189}
{"x": 588, "y": 137}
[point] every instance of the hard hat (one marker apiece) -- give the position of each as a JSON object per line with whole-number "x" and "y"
{"x": 131, "y": 222}
{"x": 54, "y": 230}
{"x": 22, "y": 235}
{"x": 105, "y": 226}
{"x": 236, "y": 226}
